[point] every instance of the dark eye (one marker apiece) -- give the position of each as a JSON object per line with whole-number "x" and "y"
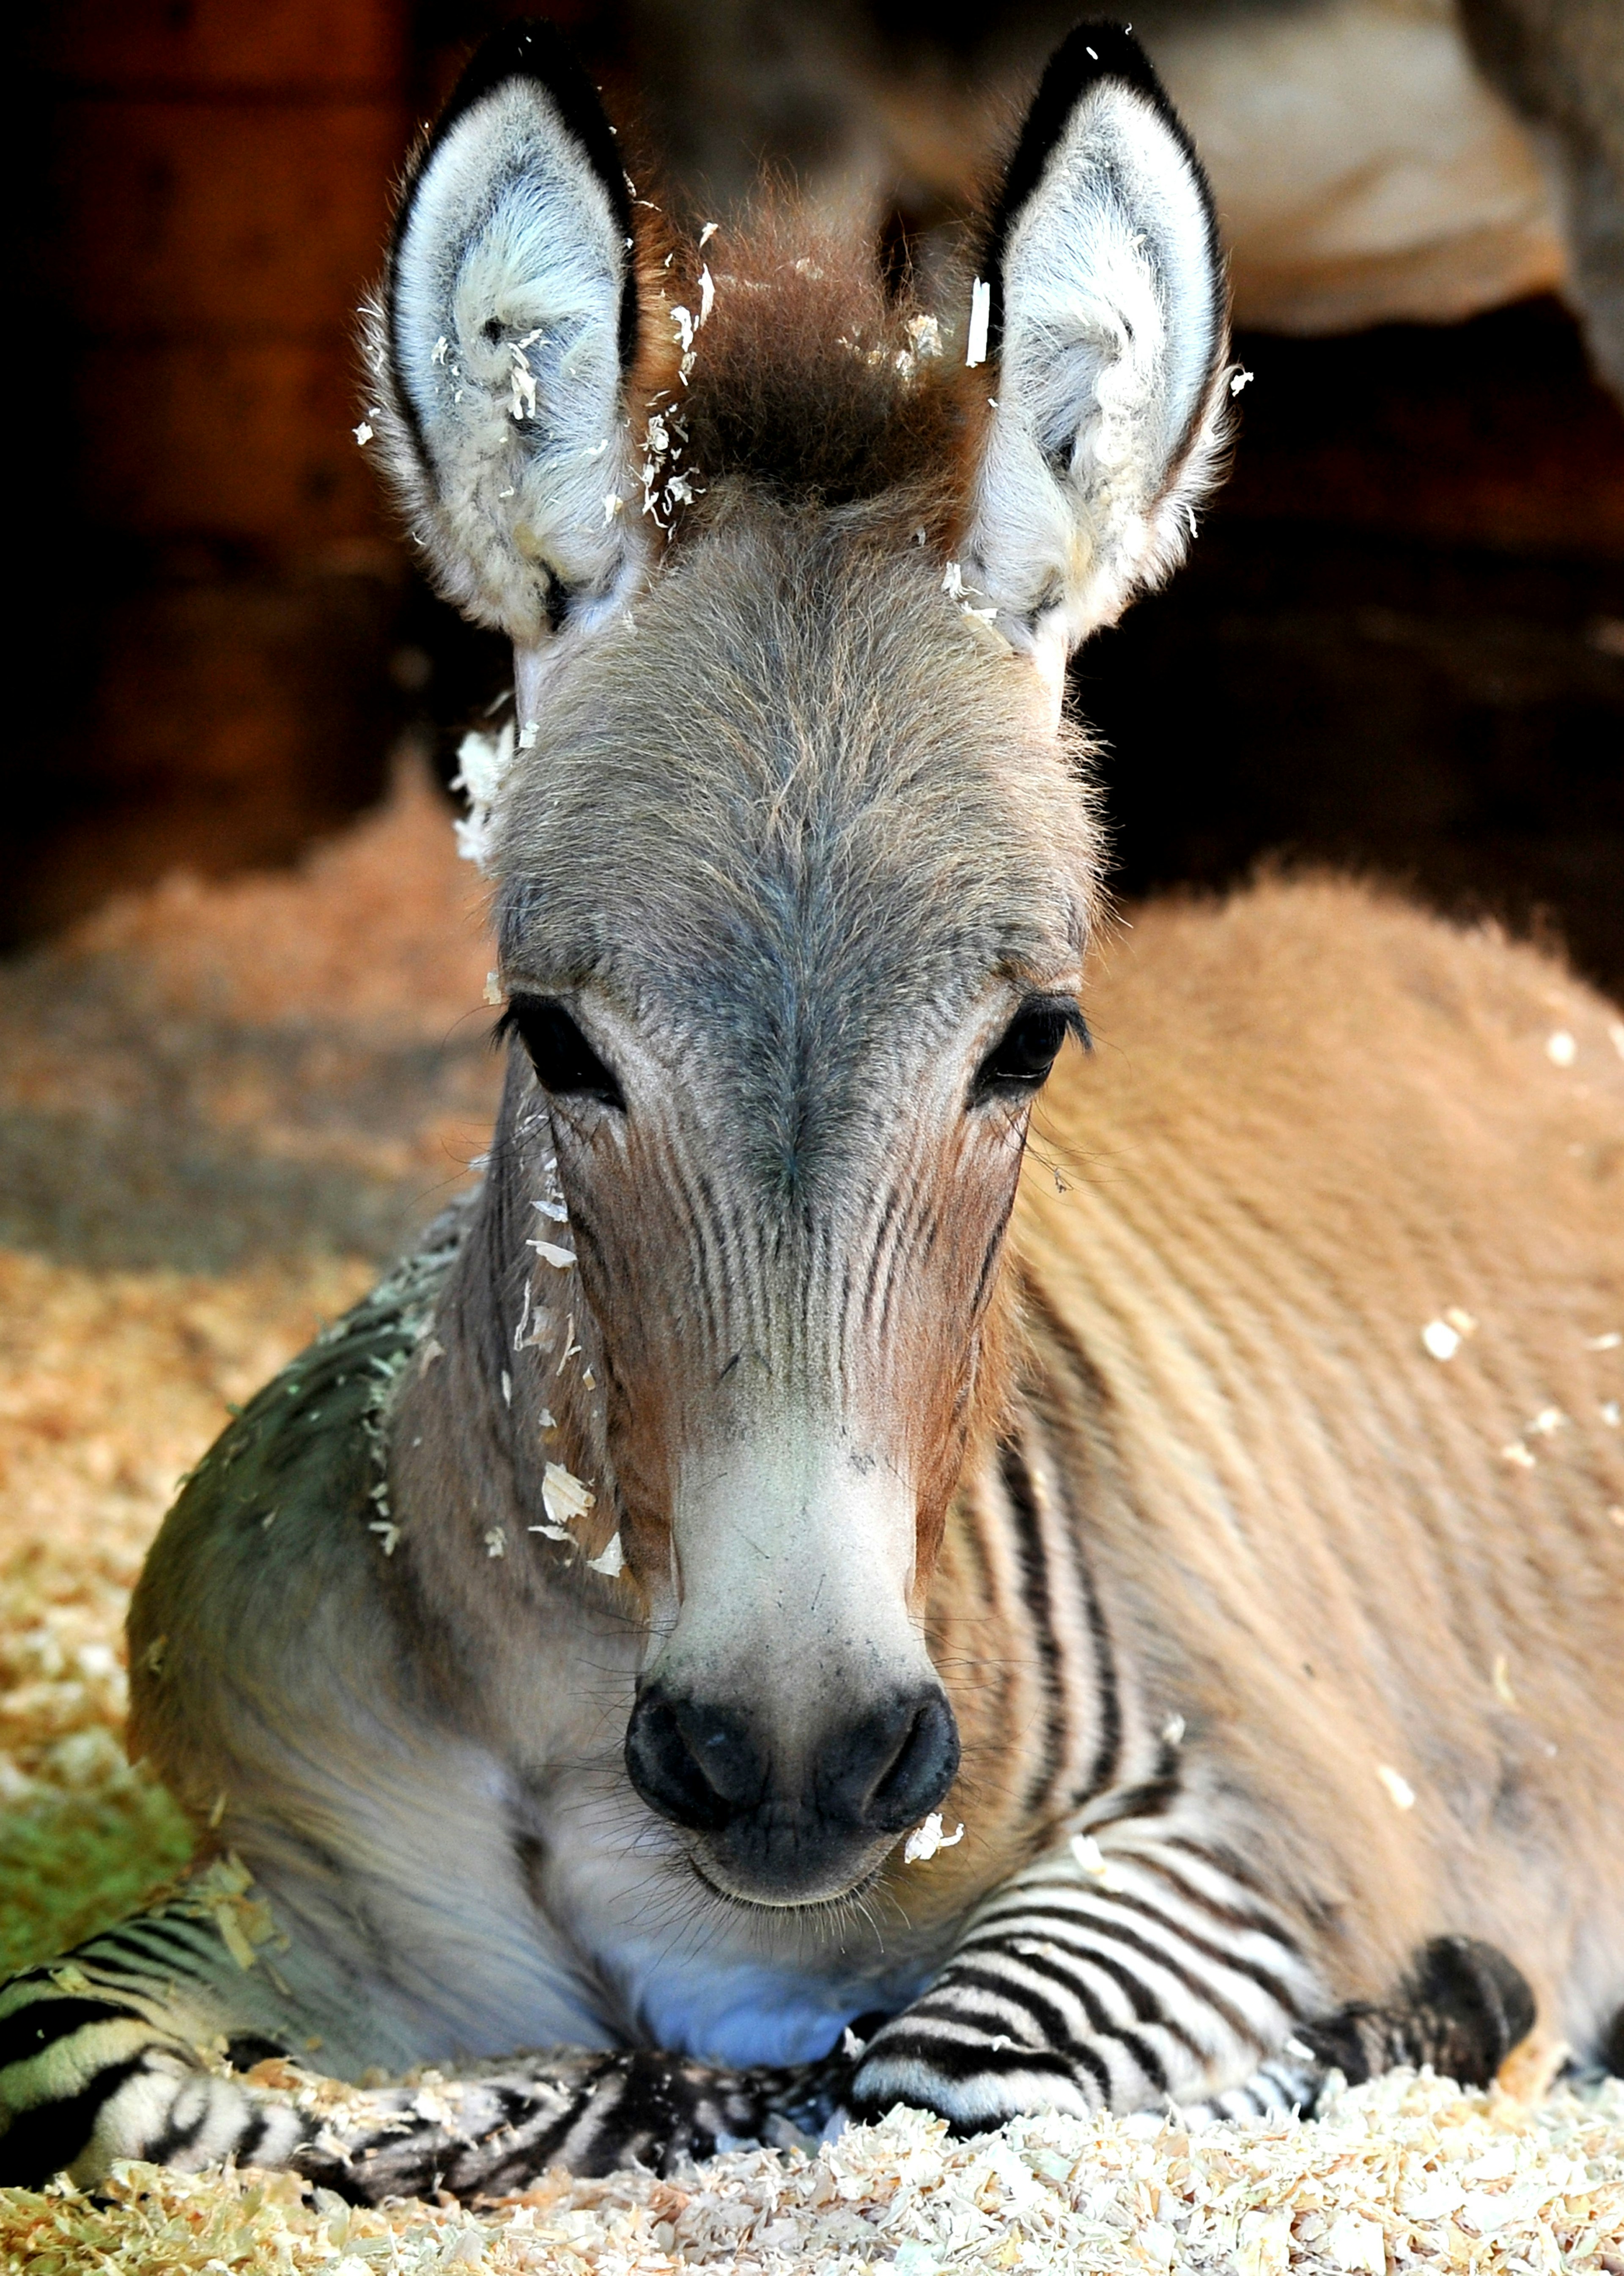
{"x": 1022, "y": 1058}
{"x": 564, "y": 1062}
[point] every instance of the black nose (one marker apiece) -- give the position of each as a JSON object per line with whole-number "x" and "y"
{"x": 694, "y": 1764}
{"x": 884, "y": 1771}
{"x": 704, "y": 1767}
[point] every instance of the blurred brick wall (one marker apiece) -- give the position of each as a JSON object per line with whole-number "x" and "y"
{"x": 209, "y": 634}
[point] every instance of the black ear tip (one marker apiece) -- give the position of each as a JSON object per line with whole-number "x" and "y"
{"x": 1104, "y": 49}
{"x": 1099, "y": 52}
{"x": 528, "y": 50}
{"x": 1095, "y": 52}
{"x": 525, "y": 49}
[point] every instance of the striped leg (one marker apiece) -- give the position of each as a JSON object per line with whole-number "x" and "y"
{"x": 1153, "y": 1973}
{"x": 124, "y": 2048}
{"x": 176, "y": 2038}
{"x": 1099, "y": 1980}
{"x": 1063, "y": 1994}
{"x": 480, "y": 2136}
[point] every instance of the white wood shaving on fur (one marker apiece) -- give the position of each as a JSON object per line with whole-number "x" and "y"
{"x": 1092, "y": 1859}
{"x": 611, "y": 1562}
{"x": 980, "y": 317}
{"x": 923, "y": 1842}
{"x": 1400, "y": 1792}
{"x": 483, "y": 763}
{"x": 1615, "y": 1035}
{"x": 1548, "y": 1420}
{"x": 496, "y": 1542}
{"x": 1518, "y": 1455}
{"x": 1440, "y": 1339}
{"x": 1610, "y": 1341}
{"x": 1461, "y": 2184}
{"x": 564, "y": 1497}
{"x": 925, "y": 338}
{"x": 549, "y": 1253}
{"x": 363, "y": 433}
{"x": 1560, "y": 1048}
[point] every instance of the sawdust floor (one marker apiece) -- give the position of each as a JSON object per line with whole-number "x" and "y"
{"x": 219, "y": 1109}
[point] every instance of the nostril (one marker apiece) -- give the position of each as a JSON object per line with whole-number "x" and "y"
{"x": 910, "y": 1768}
{"x": 691, "y": 1763}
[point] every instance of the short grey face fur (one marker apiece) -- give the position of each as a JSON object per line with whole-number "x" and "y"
{"x": 796, "y": 845}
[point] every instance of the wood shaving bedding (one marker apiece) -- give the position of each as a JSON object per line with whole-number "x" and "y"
{"x": 111, "y": 1385}
{"x": 1405, "y": 2172}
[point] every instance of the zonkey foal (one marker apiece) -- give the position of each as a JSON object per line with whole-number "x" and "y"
{"x": 829, "y": 1581}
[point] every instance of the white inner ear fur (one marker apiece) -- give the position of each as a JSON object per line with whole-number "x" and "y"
{"x": 1109, "y": 392}
{"x": 527, "y": 442}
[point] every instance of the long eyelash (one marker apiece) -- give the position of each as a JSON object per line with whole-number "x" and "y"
{"x": 1079, "y": 1026}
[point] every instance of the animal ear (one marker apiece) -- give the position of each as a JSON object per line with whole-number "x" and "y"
{"x": 508, "y": 323}
{"x": 1106, "y": 333}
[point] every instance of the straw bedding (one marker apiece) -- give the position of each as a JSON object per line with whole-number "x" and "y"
{"x": 220, "y": 1107}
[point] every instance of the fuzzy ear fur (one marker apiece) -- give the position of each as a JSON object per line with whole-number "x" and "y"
{"x": 1107, "y": 322}
{"x": 508, "y": 318}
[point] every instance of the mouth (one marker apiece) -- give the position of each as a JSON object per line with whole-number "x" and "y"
{"x": 823, "y": 1905}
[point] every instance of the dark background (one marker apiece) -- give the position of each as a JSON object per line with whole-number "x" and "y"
{"x": 1400, "y": 643}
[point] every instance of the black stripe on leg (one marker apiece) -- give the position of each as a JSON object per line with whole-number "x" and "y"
{"x": 164, "y": 2144}
{"x": 1033, "y": 2005}
{"x": 41, "y": 2142}
{"x": 1147, "y": 2008}
{"x": 165, "y": 1942}
{"x": 955, "y": 2061}
{"x": 1246, "y": 1918}
{"x": 1103, "y": 1915}
{"x": 1142, "y": 2052}
{"x": 1084, "y": 1933}
{"x": 248, "y": 2141}
{"x": 45, "y": 2023}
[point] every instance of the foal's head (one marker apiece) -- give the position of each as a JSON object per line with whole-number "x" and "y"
{"x": 796, "y": 862}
